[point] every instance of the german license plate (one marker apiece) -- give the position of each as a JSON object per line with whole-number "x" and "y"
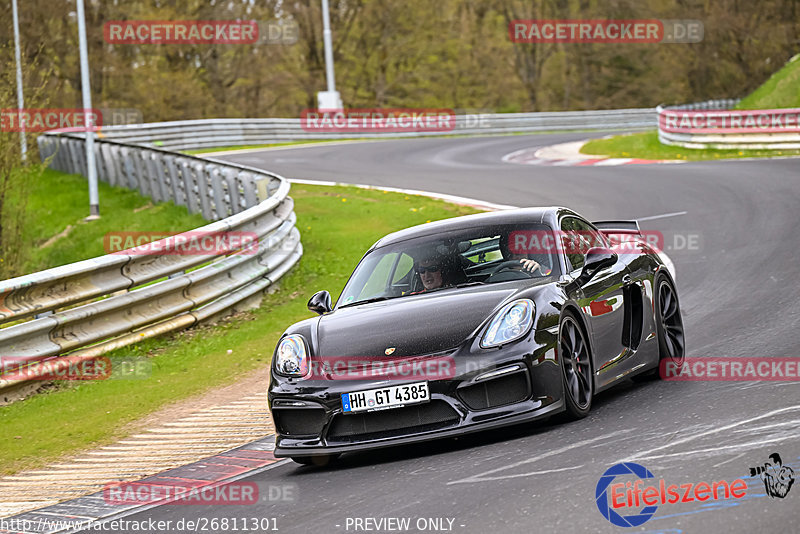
{"x": 384, "y": 398}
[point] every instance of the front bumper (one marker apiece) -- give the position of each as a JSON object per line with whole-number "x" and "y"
{"x": 494, "y": 388}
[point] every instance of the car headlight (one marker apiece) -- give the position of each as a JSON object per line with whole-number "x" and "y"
{"x": 291, "y": 357}
{"x": 512, "y": 322}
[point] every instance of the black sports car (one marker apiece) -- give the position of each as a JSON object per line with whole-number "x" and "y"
{"x": 472, "y": 323}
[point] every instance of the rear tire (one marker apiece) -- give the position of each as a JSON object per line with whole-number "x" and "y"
{"x": 576, "y": 368}
{"x": 669, "y": 325}
{"x": 662, "y": 331}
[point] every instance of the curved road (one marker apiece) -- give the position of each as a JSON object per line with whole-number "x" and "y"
{"x": 739, "y": 292}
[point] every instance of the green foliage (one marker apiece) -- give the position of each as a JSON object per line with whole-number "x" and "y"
{"x": 405, "y": 53}
{"x": 782, "y": 90}
{"x": 16, "y": 171}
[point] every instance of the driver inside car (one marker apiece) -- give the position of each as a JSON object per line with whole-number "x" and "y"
{"x": 437, "y": 270}
{"x": 430, "y": 272}
{"x": 527, "y": 262}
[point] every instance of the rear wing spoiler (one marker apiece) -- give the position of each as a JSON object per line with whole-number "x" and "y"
{"x": 618, "y": 227}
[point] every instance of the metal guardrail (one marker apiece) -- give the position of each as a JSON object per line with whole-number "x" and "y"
{"x": 198, "y": 134}
{"x": 725, "y": 103}
{"x": 718, "y": 126}
{"x": 84, "y": 309}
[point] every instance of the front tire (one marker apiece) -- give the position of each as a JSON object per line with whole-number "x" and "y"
{"x": 320, "y": 460}
{"x": 576, "y": 368}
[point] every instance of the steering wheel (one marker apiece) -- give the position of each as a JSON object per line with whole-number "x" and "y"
{"x": 511, "y": 265}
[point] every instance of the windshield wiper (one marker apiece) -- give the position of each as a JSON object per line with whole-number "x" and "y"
{"x": 468, "y": 284}
{"x": 367, "y": 301}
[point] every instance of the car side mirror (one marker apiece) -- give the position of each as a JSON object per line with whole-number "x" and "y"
{"x": 597, "y": 258}
{"x": 320, "y": 302}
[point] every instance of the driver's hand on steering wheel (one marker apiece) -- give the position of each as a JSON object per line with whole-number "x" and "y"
{"x": 532, "y": 266}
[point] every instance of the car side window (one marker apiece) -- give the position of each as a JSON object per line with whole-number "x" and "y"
{"x": 379, "y": 276}
{"x": 404, "y": 265}
{"x": 577, "y": 237}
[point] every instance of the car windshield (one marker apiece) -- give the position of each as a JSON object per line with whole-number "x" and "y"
{"x": 472, "y": 256}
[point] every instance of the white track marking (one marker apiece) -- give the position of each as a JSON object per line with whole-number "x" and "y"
{"x": 613, "y": 161}
{"x": 723, "y": 448}
{"x": 663, "y": 216}
{"x": 687, "y": 439}
{"x": 728, "y": 461}
{"x": 508, "y": 157}
{"x": 482, "y": 477}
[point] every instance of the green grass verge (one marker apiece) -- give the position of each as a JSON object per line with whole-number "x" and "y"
{"x": 337, "y": 225}
{"x": 646, "y": 146}
{"x": 270, "y": 145}
{"x": 56, "y": 208}
{"x": 782, "y": 90}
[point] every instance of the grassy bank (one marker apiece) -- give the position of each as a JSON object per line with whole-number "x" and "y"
{"x": 337, "y": 224}
{"x": 58, "y": 203}
{"x": 782, "y": 90}
{"x": 646, "y": 146}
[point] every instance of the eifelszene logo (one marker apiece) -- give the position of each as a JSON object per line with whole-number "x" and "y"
{"x": 613, "y": 499}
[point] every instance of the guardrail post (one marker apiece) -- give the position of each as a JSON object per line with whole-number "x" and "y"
{"x": 75, "y": 166}
{"x": 109, "y": 165}
{"x": 221, "y": 204}
{"x": 203, "y": 190}
{"x": 230, "y": 177}
{"x": 139, "y": 172}
{"x": 250, "y": 189}
{"x": 178, "y": 195}
{"x": 153, "y": 176}
{"x": 190, "y": 186}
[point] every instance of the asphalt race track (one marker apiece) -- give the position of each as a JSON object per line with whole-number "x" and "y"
{"x": 732, "y": 230}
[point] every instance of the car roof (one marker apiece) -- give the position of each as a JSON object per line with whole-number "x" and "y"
{"x": 514, "y": 216}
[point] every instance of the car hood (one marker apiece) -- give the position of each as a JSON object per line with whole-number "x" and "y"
{"x": 413, "y": 325}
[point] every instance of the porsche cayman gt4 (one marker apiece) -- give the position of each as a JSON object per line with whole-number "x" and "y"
{"x": 473, "y": 323}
